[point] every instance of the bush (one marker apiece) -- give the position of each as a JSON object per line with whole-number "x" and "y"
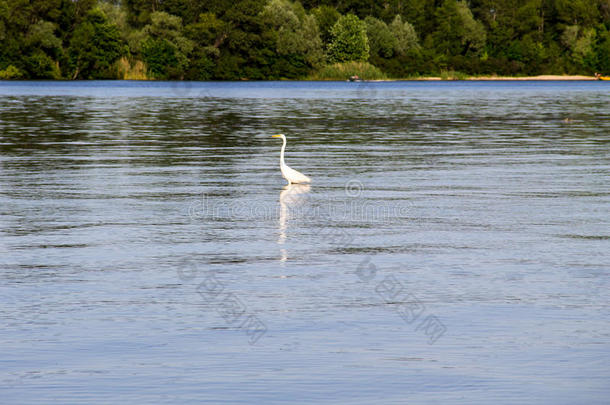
{"x": 41, "y": 66}
{"x": 160, "y": 56}
{"x": 343, "y": 71}
{"x": 349, "y": 40}
{"x": 11, "y": 72}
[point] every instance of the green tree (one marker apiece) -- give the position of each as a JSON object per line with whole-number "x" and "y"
{"x": 94, "y": 47}
{"x": 326, "y": 17}
{"x": 249, "y": 51}
{"x": 295, "y": 33}
{"x": 349, "y": 40}
{"x": 360, "y": 8}
{"x": 602, "y": 51}
{"x": 405, "y": 37}
{"x": 117, "y": 15}
{"x": 42, "y": 35}
{"x": 139, "y": 11}
{"x": 577, "y": 12}
{"x": 457, "y": 33}
{"x": 43, "y": 49}
{"x": 529, "y": 53}
{"x": 164, "y": 48}
{"x": 521, "y": 36}
{"x": 420, "y": 13}
{"x": 208, "y": 34}
{"x": 71, "y": 14}
{"x": 381, "y": 39}
{"x": 23, "y": 28}
{"x": 270, "y": 39}
{"x": 580, "y": 44}
{"x": 208, "y": 30}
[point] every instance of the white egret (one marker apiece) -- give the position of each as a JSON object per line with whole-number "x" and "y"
{"x": 289, "y": 173}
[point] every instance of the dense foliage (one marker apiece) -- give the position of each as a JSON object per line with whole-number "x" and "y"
{"x": 273, "y": 39}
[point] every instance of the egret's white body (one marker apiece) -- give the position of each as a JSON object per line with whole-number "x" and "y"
{"x": 291, "y": 175}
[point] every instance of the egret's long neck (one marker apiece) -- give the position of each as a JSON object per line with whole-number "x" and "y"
{"x": 282, "y": 152}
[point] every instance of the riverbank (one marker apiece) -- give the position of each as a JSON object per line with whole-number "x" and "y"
{"x": 504, "y": 78}
{"x": 541, "y": 77}
{"x": 406, "y": 79}
{"x": 368, "y": 72}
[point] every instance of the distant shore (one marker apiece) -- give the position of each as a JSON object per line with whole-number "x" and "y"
{"x": 515, "y": 78}
{"x": 406, "y": 79}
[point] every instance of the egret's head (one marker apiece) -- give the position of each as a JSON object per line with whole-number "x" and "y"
{"x": 278, "y": 136}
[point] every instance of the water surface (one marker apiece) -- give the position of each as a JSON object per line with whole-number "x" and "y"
{"x": 453, "y": 247}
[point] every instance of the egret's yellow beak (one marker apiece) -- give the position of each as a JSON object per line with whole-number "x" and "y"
{"x": 276, "y": 136}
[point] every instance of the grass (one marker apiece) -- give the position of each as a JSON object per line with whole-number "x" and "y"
{"x": 343, "y": 71}
{"x": 135, "y": 70}
{"x": 366, "y": 71}
{"x": 453, "y": 75}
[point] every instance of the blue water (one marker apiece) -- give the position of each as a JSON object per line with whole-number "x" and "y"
{"x": 453, "y": 246}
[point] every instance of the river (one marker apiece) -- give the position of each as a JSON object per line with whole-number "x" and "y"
{"x": 452, "y": 248}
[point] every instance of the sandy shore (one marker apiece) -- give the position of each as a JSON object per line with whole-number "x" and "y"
{"x": 507, "y": 78}
{"x": 542, "y": 77}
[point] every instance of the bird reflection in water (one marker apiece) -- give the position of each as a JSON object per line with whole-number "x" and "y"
{"x": 291, "y": 196}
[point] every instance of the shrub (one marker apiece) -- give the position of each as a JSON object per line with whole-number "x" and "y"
{"x": 343, "y": 71}
{"x": 11, "y": 72}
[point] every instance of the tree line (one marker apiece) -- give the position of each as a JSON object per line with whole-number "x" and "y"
{"x": 285, "y": 39}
